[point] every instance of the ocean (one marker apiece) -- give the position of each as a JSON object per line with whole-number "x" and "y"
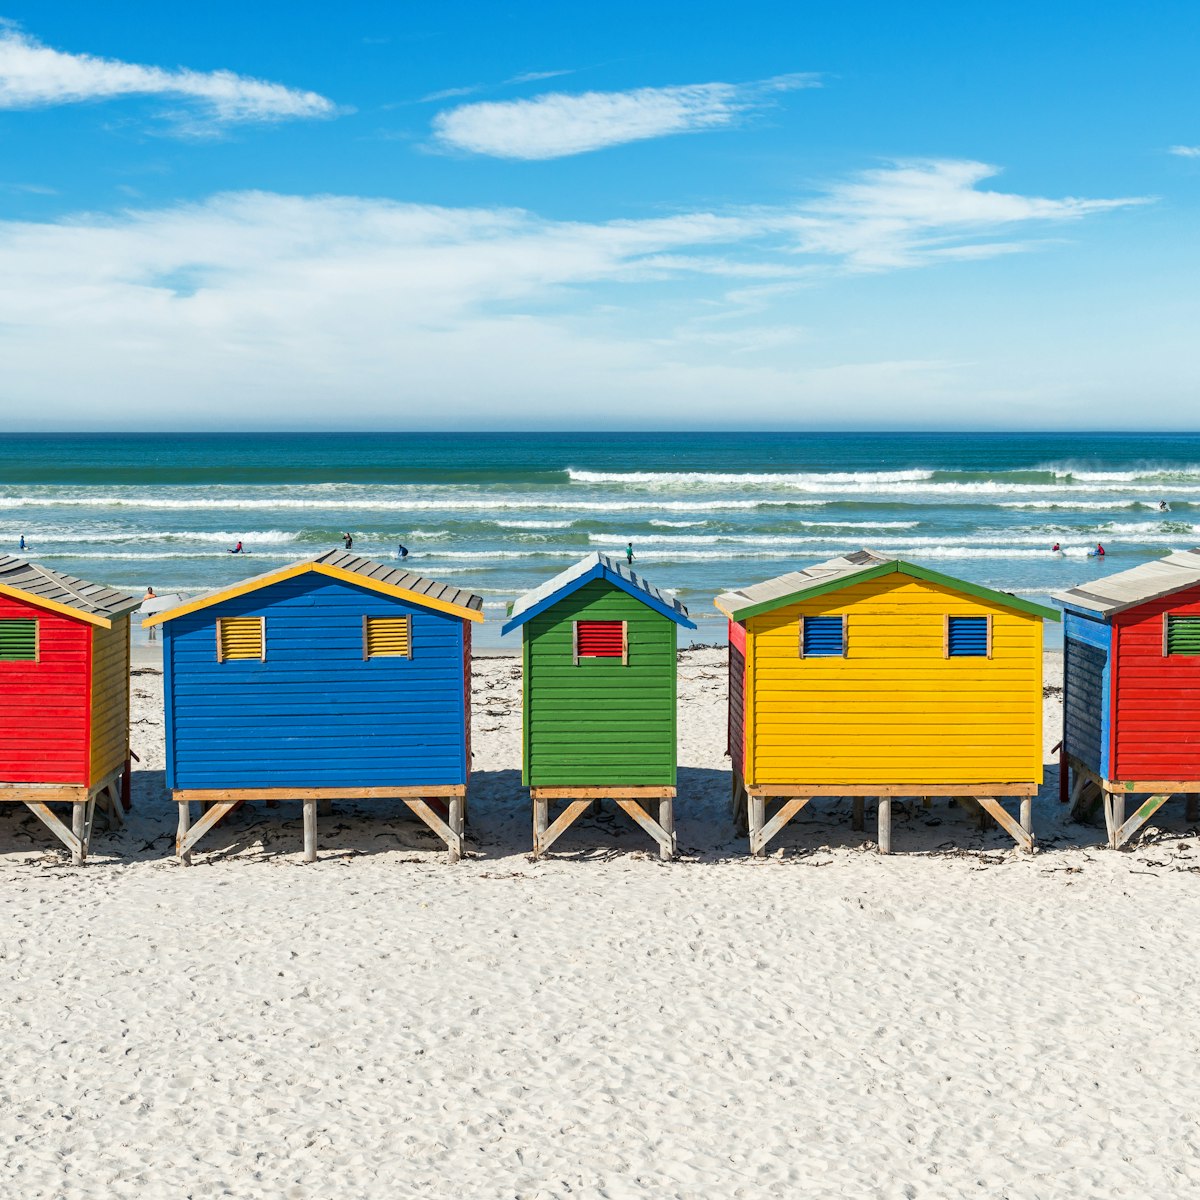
{"x": 500, "y": 512}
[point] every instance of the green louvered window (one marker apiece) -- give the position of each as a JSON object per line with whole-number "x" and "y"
{"x": 18, "y": 640}
{"x": 1182, "y": 635}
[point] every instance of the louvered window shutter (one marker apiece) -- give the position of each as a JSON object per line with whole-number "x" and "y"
{"x": 968, "y": 637}
{"x": 18, "y": 640}
{"x": 241, "y": 638}
{"x": 1183, "y": 635}
{"x": 601, "y": 639}
{"x": 387, "y": 637}
{"x": 823, "y": 637}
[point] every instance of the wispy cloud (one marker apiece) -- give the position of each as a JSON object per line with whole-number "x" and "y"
{"x": 33, "y": 75}
{"x": 559, "y": 123}
{"x": 305, "y": 301}
{"x": 1185, "y": 151}
{"x": 452, "y": 93}
{"x": 538, "y": 76}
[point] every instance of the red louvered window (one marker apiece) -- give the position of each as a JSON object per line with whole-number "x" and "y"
{"x": 600, "y": 639}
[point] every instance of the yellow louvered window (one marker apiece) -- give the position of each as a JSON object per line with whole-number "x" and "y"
{"x": 387, "y": 637}
{"x": 241, "y": 638}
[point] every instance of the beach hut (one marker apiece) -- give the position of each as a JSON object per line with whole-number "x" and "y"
{"x": 1131, "y": 690}
{"x": 868, "y": 676}
{"x": 332, "y": 678}
{"x": 598, "y": 663}
{"x": 64, "y": 697}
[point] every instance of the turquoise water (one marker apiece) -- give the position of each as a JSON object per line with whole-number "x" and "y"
{"x": 498, "y": 513}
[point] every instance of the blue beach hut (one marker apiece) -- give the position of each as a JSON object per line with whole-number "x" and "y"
{"x": 333, "y": 678}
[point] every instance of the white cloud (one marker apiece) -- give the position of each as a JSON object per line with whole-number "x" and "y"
{"x": 558, "y": 124}
{"x": 256, "y": 309}
{"x": 33, "y": 75}
{"x": 538, "y": 76}
{"x": 1185, "y": 151}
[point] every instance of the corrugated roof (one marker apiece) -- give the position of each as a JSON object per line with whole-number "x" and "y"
{"x": 574, "y": 576}
{"x": 64, "y": 592}
{"x": 1138, "y": 585}
{"x": 836, "y": 573}
{"x": 379, "y": 575}
{"x": 796, "y": 583}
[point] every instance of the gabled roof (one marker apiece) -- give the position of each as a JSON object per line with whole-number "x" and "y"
{"x": 1138, "y": 585}
{"x": 92, "y": 602}
{"x": 839, "y": 573}
{"x": 349, "y": 568}
{"x": 595, "y": 566}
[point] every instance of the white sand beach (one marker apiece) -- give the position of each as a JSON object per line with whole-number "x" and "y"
{"x": 956, "y": 1020}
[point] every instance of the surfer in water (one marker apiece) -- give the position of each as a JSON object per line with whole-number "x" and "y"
{"x": 1098, "y": 552}
{"x": 348, "y": 540}
{"x": 22, "y": 546}
{"x": 401, "y": 550}
{"x": 629, "y": 554}
{"x": 238, "y": 549}
{"x": 1056, "y": 549}
{"x": 1163, "y": 506}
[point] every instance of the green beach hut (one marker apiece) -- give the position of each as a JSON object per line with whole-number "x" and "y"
{"x": 598, "y": 664}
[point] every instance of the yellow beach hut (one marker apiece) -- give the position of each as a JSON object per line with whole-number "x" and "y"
{"x": 868, "y": 676}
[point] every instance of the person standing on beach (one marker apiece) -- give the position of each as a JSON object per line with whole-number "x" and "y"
{"x": 629, "y": 554}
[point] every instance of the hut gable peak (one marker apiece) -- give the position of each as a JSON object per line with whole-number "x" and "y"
{"x": 348, "y": 568}
{"x": 595, "y": 566}
{"x": 846, "y": 570}
{"x": 43, "y": 587}
{"x": 1113, "y": 594}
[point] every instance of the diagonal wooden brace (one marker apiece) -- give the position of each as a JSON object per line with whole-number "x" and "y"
{"x": 760, "y": 837}
{"x": 451, "y": 836}
{"x": 1023, "y": 837}
{"x": 219, "y": 811}
{"x": 562, "y": 823}
{"x": 57, "y": 827}
{"x": 665, "y": 839}
{"x": 1124, "y": 832}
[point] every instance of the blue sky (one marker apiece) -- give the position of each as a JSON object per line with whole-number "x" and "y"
{"x": 618, "y": 216}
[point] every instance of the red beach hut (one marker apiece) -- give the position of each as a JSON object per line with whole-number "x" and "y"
{"x": 64, "y": 696}
{"x": 1131, "y": 689}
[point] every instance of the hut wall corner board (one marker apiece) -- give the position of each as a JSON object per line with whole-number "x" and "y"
{"x": 64, "y": 709}
{"x": 362, "y": 691}
{"x": 599, "y": 724}
{"x": 1131, "y": 698}
{"x": 890, "y": 708}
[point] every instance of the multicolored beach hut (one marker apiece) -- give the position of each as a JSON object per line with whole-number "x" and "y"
{"x": 333, "y": 678}
{"x": 64, "y": 697}
{"x": 1131, "y": 690}
{"x": 868, "y": 676}
{"x": 599, "y": 646}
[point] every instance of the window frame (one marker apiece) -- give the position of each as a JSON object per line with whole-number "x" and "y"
{"x": 37, "y": 641}
{"x": 262, "y": 639}
{"x": 366, "y": 621}
{"x": 1166, "y": 633}
{"x": 845, "y": 620}
{"x": 986, "y": 617}
{"x": 576, "y": 656}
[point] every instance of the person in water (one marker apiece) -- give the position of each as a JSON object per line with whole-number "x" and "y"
{"x": 348, "y": 540}
{"x": 629, "y": 554}
{"x": 22, "y": 542}
{"x": 1163, "y": 506}
{"x": 1099, "y": 551}
{"x": 1056, "y": 549}
{"x": 401, "y": 550}
{"x": 237, "y": 549}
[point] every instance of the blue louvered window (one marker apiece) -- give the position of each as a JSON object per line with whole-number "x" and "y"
{"x": 967, "y": 637}
{"x": 824, "y": 637}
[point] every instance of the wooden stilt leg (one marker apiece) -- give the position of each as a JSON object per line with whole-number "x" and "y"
{"x": 1193, "y": 808}
{"x": 1118, "y": 819}
{"x": 310, "y": 830}
{"x": 79, "y": 850}
{"x": 1027, "y": 813}
{"x": 541, "y": 822}
{"x": 666, "y": 818}
{"x": 757, "y": 813}
{"x": 885, "y": 824}
{"x": 127, "y": 785}
{"x": 860, "y": 807}
{"x": 741, "y": 813}
{"x": 185, "y": 823}
{"x": 456, "y": 827}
